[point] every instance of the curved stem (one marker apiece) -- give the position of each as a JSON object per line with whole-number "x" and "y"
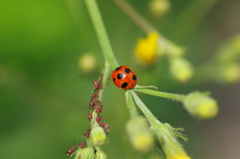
{"x": 101, "y": 33}
{"x": 105, "y": 76}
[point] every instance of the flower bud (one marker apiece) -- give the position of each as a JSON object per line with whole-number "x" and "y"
{"x": 168, "y": 141}
{"x": 98, "y": 136}
{"x": 181, "y": 69}
{"x": 100, "y": 154}
{"x": 140, "y": 134}
{"x": 200, "y": 105}
{"x": 146, "y": 49}
{"x": 229, "y": 73}
{"x": 229, "y": 51}
{"x": 87, "y": 62}
{"x": 168, "y": 48}
{"x": 159, "y": 7}
{"x": 85, "y": 153}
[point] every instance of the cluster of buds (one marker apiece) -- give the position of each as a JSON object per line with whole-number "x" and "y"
{"x": 149, "y": 49}
{"x": 96, "y": 133}
{"x": 226, "y": 62}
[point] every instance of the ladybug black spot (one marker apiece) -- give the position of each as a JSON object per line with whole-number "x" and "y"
{"x": 118, "y": 68}
{"x": 127, "y": 70}
{"x": 114, "y": 79}
{"x": 124, "y": 85}
{"x": 120, "y": 76}
{"x": 134, "y": 77}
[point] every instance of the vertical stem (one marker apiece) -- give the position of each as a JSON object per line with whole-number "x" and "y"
{"x": 101, "y": 33}
{"x": 106, "y": 74}
{"x": 130, "y": 104}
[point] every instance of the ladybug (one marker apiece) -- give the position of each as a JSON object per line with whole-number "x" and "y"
{"x": 124, "y": 77}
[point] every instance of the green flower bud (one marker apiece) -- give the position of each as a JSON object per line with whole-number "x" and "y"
{"x": 100, "y": 154}
{"x": 159, "y": 7}
{"x": 168, "y": 141}
{"x": 229, "y": 51}
{"x": 200, "y": 105}
{"x": 140, "y": 134}
{"x": 181, "y": 69}
{"x": 87, "y": 62}
{"x": 98, "y": 136}
{"x": 229, "y": 73}
{"x": 85, "y": 153}
{"x": 168, "y": 48}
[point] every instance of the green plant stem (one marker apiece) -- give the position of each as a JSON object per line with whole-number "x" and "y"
{"x": 101, "y": 33}
{"x": 150, "y": 117}
{"x": 130, "y": 104}
{"x": 136, "y": 17}
{"x": 161, "y": 94}
{"x": 106, "y": 73}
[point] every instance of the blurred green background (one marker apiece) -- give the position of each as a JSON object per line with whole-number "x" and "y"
{"x": 44, "y": 94}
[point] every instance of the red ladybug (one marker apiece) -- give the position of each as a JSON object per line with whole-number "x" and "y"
{"x": 123, "y": 77}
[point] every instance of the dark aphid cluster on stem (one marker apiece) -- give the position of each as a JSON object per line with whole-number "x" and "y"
{"x": 82, "y": 144}
{"x": 94, "y": 106}
{"x": 71, "y": 150}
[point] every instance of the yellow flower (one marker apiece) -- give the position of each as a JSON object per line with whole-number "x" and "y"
{"x": 179, "y": 157}
{"x": 146, "y": 49}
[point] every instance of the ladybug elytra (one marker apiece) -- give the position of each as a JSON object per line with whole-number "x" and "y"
{"x": 124, "y": 77}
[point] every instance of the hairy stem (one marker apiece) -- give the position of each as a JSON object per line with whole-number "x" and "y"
{"x": 130, "y": 104}
{"x": 106, "y": 73}
{"x": 150, "y": 117}
{"x": 161, "y": 94}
